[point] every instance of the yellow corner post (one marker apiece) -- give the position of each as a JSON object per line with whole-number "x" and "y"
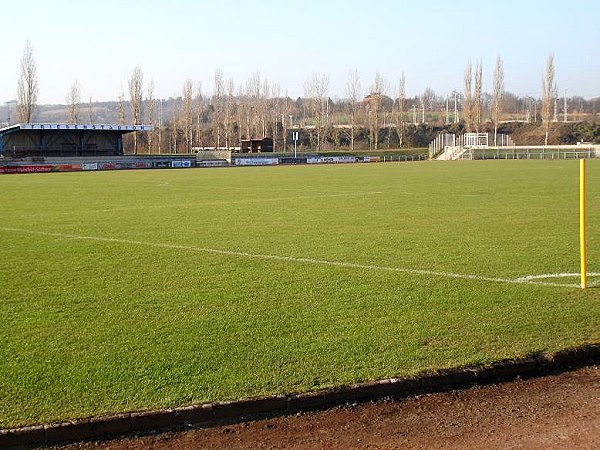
{"x": 582, "y": 223}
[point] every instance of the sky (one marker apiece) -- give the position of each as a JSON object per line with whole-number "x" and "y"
{"x": 98, "y": 44}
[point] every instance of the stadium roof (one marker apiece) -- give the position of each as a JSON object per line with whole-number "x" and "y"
{"x": 76, "y": 127}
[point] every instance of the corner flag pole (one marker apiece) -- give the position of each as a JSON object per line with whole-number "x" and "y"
{"x": 582, "y": 223}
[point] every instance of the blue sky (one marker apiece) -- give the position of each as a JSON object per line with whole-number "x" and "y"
{"x": 99, "y": 43}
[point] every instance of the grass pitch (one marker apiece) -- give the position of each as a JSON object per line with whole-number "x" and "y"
{"x": 131, "y": 290}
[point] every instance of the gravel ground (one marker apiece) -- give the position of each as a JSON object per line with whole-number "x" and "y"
{"x": 560, "y": 411}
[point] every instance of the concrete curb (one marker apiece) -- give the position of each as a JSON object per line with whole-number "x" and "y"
{"x": 243, "y": 409}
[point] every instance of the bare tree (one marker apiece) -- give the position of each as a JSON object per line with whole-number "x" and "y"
{"x": 477, "y": 95}
{"x": 136, "y": 81}
{"x": 188, "y": 113}
{"x": 497, "y": 96}
{"x": 353, "y": 91}
{"x": 218, "y": 93}
{"x": 265, "y": 94}
{"x": 242, "y": 108}
{"x": 198, "y": 109}
{"x": 73, "y": 100}
{"x": 253, "y": 93}
{"x": 401, "y": 107}
{"x": 275, "y": 108}
{"x": 27, "y": 85}
{"x": 161, "y": 126}
{"x": 121, "y": 111}
{"x": 151, "y": 114}
{"x": 468, "y": 98}
{"x": 284, "y": 122}
{"x": 430, "y": 99}
{"x": 228, "y": 111}
{"x": 90, "y": 112}
{"x": 315, "y": 89}
{"x": 175, "y": 123}
{"x": 548, "y": 89}
{"x": 378, "y": 89}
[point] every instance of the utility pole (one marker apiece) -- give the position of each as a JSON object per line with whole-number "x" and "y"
{"x": 447, "y": 112}
{"x": 456, "y": 107}
{"x": 565, "y": 106}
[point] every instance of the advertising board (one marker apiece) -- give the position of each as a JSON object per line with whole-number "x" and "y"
{"x": 33, "y": 168}
{"x": 67, "y": 168}
{"x": 181, "y": 164}
{"x": 330, "y": 159}
{"x": 256, "y": 161}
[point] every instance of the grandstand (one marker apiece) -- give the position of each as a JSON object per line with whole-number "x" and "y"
{"x": 64, "y": 140}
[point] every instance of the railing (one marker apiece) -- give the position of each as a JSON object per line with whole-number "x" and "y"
{"x": 533, "y": 152}
{"x": 447, "y": 146}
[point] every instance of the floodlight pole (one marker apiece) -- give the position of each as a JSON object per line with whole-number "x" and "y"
{"x": 582, "y": 249}
{"x": 455, "y": 107}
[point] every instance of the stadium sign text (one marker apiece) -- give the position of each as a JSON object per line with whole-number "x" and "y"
{"x": 74, "y": 126}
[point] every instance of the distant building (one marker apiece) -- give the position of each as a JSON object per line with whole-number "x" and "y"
{"x": 64, "y": 140}
{"x": 257, "y": 145}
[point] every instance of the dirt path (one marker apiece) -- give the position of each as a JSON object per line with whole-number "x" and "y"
{"x": 558, "y": 411}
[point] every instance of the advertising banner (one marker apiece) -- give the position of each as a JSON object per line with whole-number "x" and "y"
{"x": 106, "y": 166}
{"x": 181, "y": 164}
{"x": 125, "y": 164}
{"x": 67, "y": 167}
{"x": 89, "y": 166}
{"x": 292, "y": 161}
{"x": 33, "y": 169}
{"x": 330, "y": 159}
{"x": 338, "y": 159}
{"x": 256, "y": 161}
{"x": 8, "y": 169}
{"x": 212, "y": 163}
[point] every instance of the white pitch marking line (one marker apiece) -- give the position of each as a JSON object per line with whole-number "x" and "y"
{"x": 292, "y": 259}
{"x": 555, "y": 275}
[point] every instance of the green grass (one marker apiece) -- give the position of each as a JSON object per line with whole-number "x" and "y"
{"x": 145, "y": 318}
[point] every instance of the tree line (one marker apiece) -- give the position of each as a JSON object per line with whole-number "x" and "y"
{"x": 374, "y": 117}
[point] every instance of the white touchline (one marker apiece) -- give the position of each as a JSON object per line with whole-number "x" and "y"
{"x": 522, "y": 280}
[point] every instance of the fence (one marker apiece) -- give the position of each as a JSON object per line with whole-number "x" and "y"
{"x": 522, "y": 152}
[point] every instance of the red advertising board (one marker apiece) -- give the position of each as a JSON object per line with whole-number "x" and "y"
{"x": 67, "y": 167}
{"x": 26, "y": 169}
